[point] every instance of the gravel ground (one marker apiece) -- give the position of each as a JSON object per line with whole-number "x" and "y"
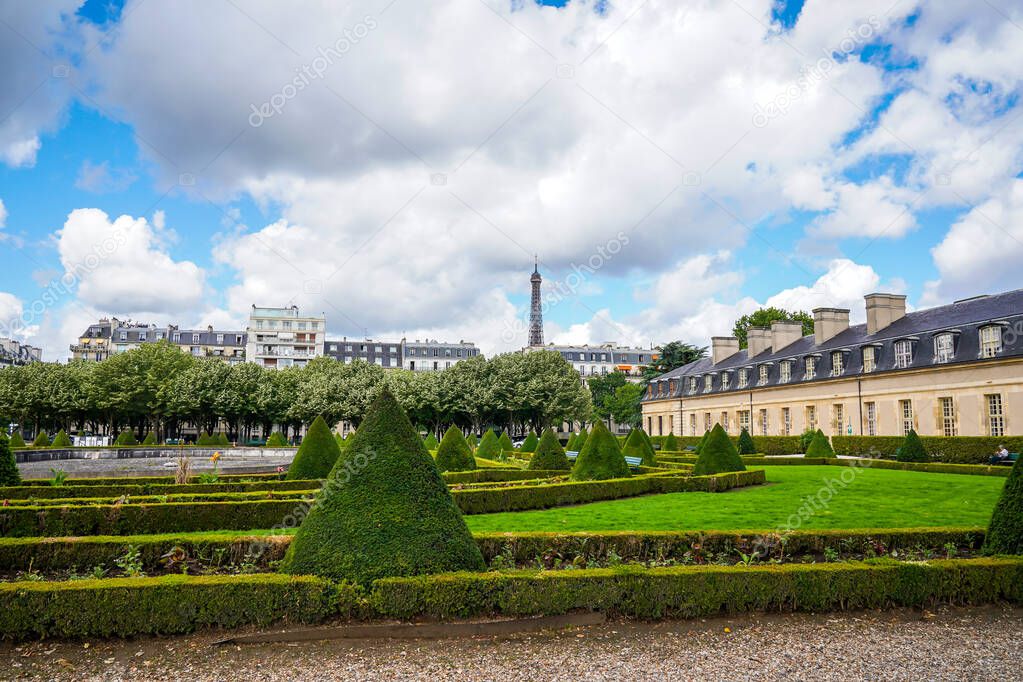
{"x": 951, "y": 644}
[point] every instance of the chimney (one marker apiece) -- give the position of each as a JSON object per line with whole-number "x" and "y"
{"x": 723, "y": 347}
{"x": 758, "y": 339}
{"x": 883, "y": 309}
{"x": 829, "y": 323}
{"x": 784, "y": 333}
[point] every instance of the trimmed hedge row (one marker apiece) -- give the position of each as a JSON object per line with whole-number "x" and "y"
{"x": 166, "y": 605}
{"x": 946, "y": 449}
{"x": 67, "y": 491}
{"x": 149, "y": 480}
{"x": 931, "y": 467}
{"x": 768, "y": 445}
{"x": 698, "y": 591}
{"x": 157, "y": 499}
{"x": 497, "y": 475}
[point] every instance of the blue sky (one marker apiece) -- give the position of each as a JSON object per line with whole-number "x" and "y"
{"x": 556, "y": 128}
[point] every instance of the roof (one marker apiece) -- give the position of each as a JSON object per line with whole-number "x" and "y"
{"x": 962, "y": 319}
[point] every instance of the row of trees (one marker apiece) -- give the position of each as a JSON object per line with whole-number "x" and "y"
{"x": 158, "y": 387}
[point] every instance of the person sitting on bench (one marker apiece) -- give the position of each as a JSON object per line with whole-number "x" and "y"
{"x": 1001, "y": 455}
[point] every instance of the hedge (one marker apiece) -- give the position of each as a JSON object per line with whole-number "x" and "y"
{"x": 699, "y": 591}
{"x": 148, "y": 480}
{"x": 180, "y": 497}
{"x": 113, "y": 490}
{"x": 947, "y": 449}
{"x": 768, "y": 445}
{"x": 165, "y": 605}
{"x": 930, "y": 467}
{"x": 498, "y": 475}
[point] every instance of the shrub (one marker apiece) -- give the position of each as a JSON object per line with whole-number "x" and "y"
{"x": 912, "y": 450}
{"x": 670, "y": 443}
{"x": 506, "y": 443}
{"x": 580, "y": 442}
{"x": 61, "y": 440}
{"x": 529, "y": 445}
{"x": 805, "y": 439}
{"x": 385, "y": 510}
{"x": 453, "y": 453}
{"x": 16, "y": 440}
{"x": 949, "y": 449}
{"x": 316, "y": 455}
{"x": 570, "y": 443}
{"x": 9, "y": 474}
{"x": 777, "y": 445}
{"x": 718, "y": 454}
{"x": 601, "y": 457}
{"x": 703, "y": 439}
{"x": 489, "y": 447}
{"x": 1005, "y": 532}
{"x": 222, "y": 439}
{"x": 276, "y": 440}
{"x": 471, "y": 441}
{"x": 126, "y": 437}
{"x": 42, "y": 440}
{"x": 820, "y": 447}
{"x": 204, "y": 439}
{"x": 638, "y": 446}
{"x": 745, "y": 445}
{"x": 150, "y": 439}
{"x": 430, "y": 441}
{"x": 549, "y": 454}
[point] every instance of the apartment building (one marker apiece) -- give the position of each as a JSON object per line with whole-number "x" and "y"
{"x": 417, "y": 356}
{"x": 112, "y": 336}
{"x": 16, "y": 353}
{"x": 283, "y": 337}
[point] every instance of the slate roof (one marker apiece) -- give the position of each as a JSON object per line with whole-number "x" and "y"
{"x": 963, "y": 319}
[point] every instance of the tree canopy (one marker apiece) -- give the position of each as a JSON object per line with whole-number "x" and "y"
{"x": 765, "y": 316}
{"x": 671, "y": 355}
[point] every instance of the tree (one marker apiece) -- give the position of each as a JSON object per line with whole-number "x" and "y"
{"x": 717, "y": 454}
{"x": 9, "y": 474}
{"x": 549, "y": 455}
{"x": 746, "y": 446}
{"x": 765, "y": 316}
{"x": 453, "y": 453}
{"x": 384, "y": 510}
{"x": 1005, "y": 531}
{"x": 530, "y": 443}
{"x": 601, "y": 457}
{"x": 820, "y": 447}
{"x": 912, "y": 449}
{"x": 316, "y": 455}
{"x": 602, "y": 391}
{"x": 624, "y": 406}
{"x": 671, "y": 356}
{"x": 638, "y": 446}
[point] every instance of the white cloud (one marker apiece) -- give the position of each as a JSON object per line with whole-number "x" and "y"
{"x": 3, "y": 214}
{"x": 101, "y": 178}
{"x": 875, "y": 209}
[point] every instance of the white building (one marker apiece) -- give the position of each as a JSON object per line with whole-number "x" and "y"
{"x": 282, "y": 337}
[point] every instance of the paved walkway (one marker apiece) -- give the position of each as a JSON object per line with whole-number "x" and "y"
{"x": 952, "y": 644}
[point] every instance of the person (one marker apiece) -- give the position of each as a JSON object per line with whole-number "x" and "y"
{"x": 1001, "y": 455}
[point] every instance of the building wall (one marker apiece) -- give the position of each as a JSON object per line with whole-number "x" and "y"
{"x": 967, "y": 385}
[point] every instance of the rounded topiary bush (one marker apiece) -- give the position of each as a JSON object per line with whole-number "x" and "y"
{"x": 431, "y": 441}
{"x": 9, "y": 474}
{"x": 61, "y": 440}
{"x": 670, "y": 443}
{"x": 17, "y": 441}
{"x": 384, "y": 510}
{"x": 529, "y": 445}
{"x": 912, "y": 449}
{"x": 601, "y": 457}
{"x": 150, "y": 439}
{"x": 717, "y": 454}
{"x": 820, "y": 447}
{"x": 1005, "y": 532}
{"x": 489, "y": 447}
{"x": 549, "y": 454}
{"x": 42, "y": 440}
{"x": 745, "y": 445}
{"x": 638, "y": 446}
{"x": 316, "y": 455}
{"x": 453, "y": 453}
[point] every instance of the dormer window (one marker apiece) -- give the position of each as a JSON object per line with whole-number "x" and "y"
{"x": 785, "y": 371}
{"x": 725, "y": 380}
{"x": 869, "y": 359}
{"x": 708, "y": 383}
{"x": 990, "y": 341}
{"x": 692, "y": 384}
{"x": 810, "y": 365}
{"x": 944, "y": 347}
{"x": 903, "y": 353}
{"x": 743, "y": 377}
{"x": 762, "y": 376}
{"x": 837, "y": 363}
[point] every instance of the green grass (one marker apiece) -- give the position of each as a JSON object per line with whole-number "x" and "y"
{"x": 875, "y": 498}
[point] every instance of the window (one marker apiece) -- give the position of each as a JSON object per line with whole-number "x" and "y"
{"x": 195, "y": 338}
{"x": 995, "y": 415}
{"x": 671, "y": 423}
{"x": 706, "y": 421}
{"x": 660, "y": 425}
{"x": 906, "y": 410}
{"x": 142, "y": 336}
{"x": 744, "y": 419}
{"x": 725, "y": 380}
{"x": 692, "y": 424}
{"x": 724, "y": 421}
{"x": 943, "y": 347}
{"x": 903, "y": 353}
{"x": 811, "y": 368}
{"x": 871, "y": 418}
{"x": 990, "y": 341}
{"x": 869, "y": 359}
{"x": 811, "y": 417}
{"x": 708, "y": 382}
{"x": 124, "y": 336}
{"x": 763, "y": 422}
{"x": 785, "y": 371}
{"x": 649, "y": 424}
{"x": 692, "y": 384}
{"x": 948, "y": 416}
{"x": 837, "y": 363}
{"x": 786, "y": 421}
{"x": 838, "y": 420}
{"x": 763, "y": 375}
{"x": 743, "y": 378}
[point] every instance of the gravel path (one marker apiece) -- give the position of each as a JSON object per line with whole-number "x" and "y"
{"x": 951, "y": 644}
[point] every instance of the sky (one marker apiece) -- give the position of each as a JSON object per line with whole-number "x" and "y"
{"x": 398, "y": 165}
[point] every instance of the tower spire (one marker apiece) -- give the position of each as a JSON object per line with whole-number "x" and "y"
{"x": 535, "y": 310}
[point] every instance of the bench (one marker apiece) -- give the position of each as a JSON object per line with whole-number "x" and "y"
{"x": 691, "y": 448}
{"x": 633, "y": 462}
{"x": 1008, "y": 461}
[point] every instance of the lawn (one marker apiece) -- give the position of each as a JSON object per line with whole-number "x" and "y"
{"x": 875, "y": 498}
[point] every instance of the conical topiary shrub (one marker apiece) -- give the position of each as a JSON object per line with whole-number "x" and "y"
{"x": 9, "y": 474}
{"x": 42, "y": 440}
{"x": 912, "y": 449}
{"x": 637, "y": 446}
{"x": 600, "y": 458}
{"x": 489, "y": 447}
{"x": 126, "y": 437}
{"x": 572, "y": 440}
{"x": 703, "y": 439}
{"x": 820, "y": 447}
{"x": 745, "y": 445}
{"x": 17, "y": 441}
{"x": 471, "y": 441}
{"x": 549, "y": 454}
{"x": 222, "y": 439}
{"x": 150, "y": 439}
{"x": 506, "y": 443}
{"x": 384, "y": 511}
{"x": 1005, "y": 532}
{"x": 580, "y": 442}
{"x": 204, "y": 439}
{"x": 670, "y": 443}
{"x": 717, "y": 454}
{"x": 316, "y": 455}
{"x": 61, "y": 440}
{"x": 453, "y": 453}
{"x": 431, "y": 441}
{"x": 529, "y": 445}
{"x": 276, "y": 440}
